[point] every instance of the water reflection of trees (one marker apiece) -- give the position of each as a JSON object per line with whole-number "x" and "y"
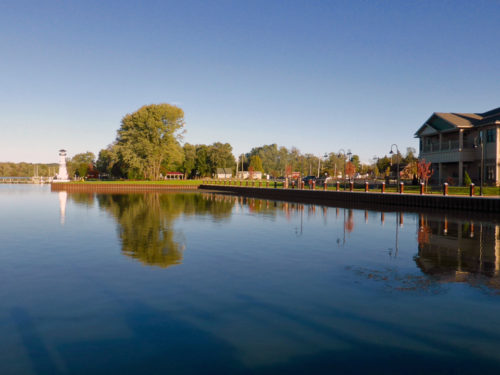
{"x": 448, "y": 248}
{"x": 146, "y": 221}
{"x": 454, "y": 250}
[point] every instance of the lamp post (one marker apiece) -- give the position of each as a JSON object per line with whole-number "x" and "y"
{"x": 397, "y": 153}
{"x": 481, "y": 146}
{"x": 349, "y": 154}
{"x": 342, "y": 151}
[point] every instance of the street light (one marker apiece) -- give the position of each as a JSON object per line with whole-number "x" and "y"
{"x": 325, "y": 157}
{"x": 397, "y": 153}
{"x": 482, "y": 161}
{"x": 349, "y": 154}
{"x": 339, "y": 153}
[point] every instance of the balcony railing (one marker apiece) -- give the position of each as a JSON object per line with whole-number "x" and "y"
{"x": 431, "y": 147}
{"x": 450, "y": 145}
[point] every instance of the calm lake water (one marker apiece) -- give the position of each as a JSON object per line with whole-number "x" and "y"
{"x": 202, "y": 283}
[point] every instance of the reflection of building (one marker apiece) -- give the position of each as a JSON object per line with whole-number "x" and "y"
{"x": 63, "y": 196}
{"x": 454, "y": 250}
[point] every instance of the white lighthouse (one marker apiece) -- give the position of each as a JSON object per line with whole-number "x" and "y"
{"x": 62, "y": 176}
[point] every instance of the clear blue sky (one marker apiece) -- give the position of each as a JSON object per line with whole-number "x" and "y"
{"x": 318, "y": 75}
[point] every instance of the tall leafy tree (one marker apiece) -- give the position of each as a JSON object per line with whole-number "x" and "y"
{"x": 110, "y": 162}
{"x": 202, "y": 165}
{"x": 189, "y": 163}
{"x": 81, "y": 163}
{"x": 149, "y": 138}
{"x": 256, "y": 163}
{"x": 220, "y": 155}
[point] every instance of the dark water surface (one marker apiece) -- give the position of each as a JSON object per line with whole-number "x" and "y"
{"x": 191, "y": 283}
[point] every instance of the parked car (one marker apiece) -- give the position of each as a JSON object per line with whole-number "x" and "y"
{"x": 309, "y": 178}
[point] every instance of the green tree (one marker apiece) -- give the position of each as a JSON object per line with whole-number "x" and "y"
{"x": 355, "y": 160}
{"x": 256, "y": 163}
{"x": 105, "y": 160}
{"x": 175, "y": 161}
{"x": 410, "y": 156}
{"x": 149, "y": 138}
{"x": 189, "y": 163}
{"x": 270, "y": 156}
{"x": 202, "y": 165}
{"x": 111, "y": 163}
{"x": 467, "y": 179}
{"x": 220, "y": 155}
{"x": 81, "y": 163}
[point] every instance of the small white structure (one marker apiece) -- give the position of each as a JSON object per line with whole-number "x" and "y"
{"x": 224, "y": 173}
{"x": 62, "y": 176}
{"x": 245, "y": 175}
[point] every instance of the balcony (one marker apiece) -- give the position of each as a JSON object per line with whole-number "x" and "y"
{"x": 449, "y": 152}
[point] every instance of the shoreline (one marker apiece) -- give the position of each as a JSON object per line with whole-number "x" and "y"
{"x": 329, "y": 197}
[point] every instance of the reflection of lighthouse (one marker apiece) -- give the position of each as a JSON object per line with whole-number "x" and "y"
{"x": 63, "y": 196}
{"x": 63, "y": 173}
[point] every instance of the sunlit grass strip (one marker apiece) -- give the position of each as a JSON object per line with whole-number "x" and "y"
{"x": 130, "y": 182}
{"x": 408, "y": 189}
{"x": 434, "y": 190}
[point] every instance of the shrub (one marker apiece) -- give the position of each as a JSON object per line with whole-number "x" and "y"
{"x": 467, "y": 179}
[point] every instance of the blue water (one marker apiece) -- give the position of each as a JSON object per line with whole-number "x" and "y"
{"x": 191, "y": 283}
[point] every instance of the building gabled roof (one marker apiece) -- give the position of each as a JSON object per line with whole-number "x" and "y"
{"x": 442, "y": 122}
{"x": 490, "y": 117}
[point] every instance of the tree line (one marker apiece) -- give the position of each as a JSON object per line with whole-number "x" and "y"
{"x": 149, "y": 144}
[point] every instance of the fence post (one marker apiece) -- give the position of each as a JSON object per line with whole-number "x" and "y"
{"x": 401, "y": 187}
{"x": 351, "y": 185}
{"x": 366, "y": 186}
{"x": 325, "y": 186}
{"x": 471, "y": 189}
{"x": 314, "y": 185}
{"x": 445, "y": 188}
{"x": 382, "y": 188}
{"x": 422, "y": 188}
{"x": 337, "y": 186}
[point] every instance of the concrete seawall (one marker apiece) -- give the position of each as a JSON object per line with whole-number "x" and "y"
{"x": 362, "y": 199}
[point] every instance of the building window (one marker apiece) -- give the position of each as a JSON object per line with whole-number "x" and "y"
{"x": 490, "y": 135}
{"x": 490, "y": 173}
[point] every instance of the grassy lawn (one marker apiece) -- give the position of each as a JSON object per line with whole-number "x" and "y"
{"x": 434, "y": 190}
{"x": 408, "y": 189}
{"x": 133, "y": 182}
